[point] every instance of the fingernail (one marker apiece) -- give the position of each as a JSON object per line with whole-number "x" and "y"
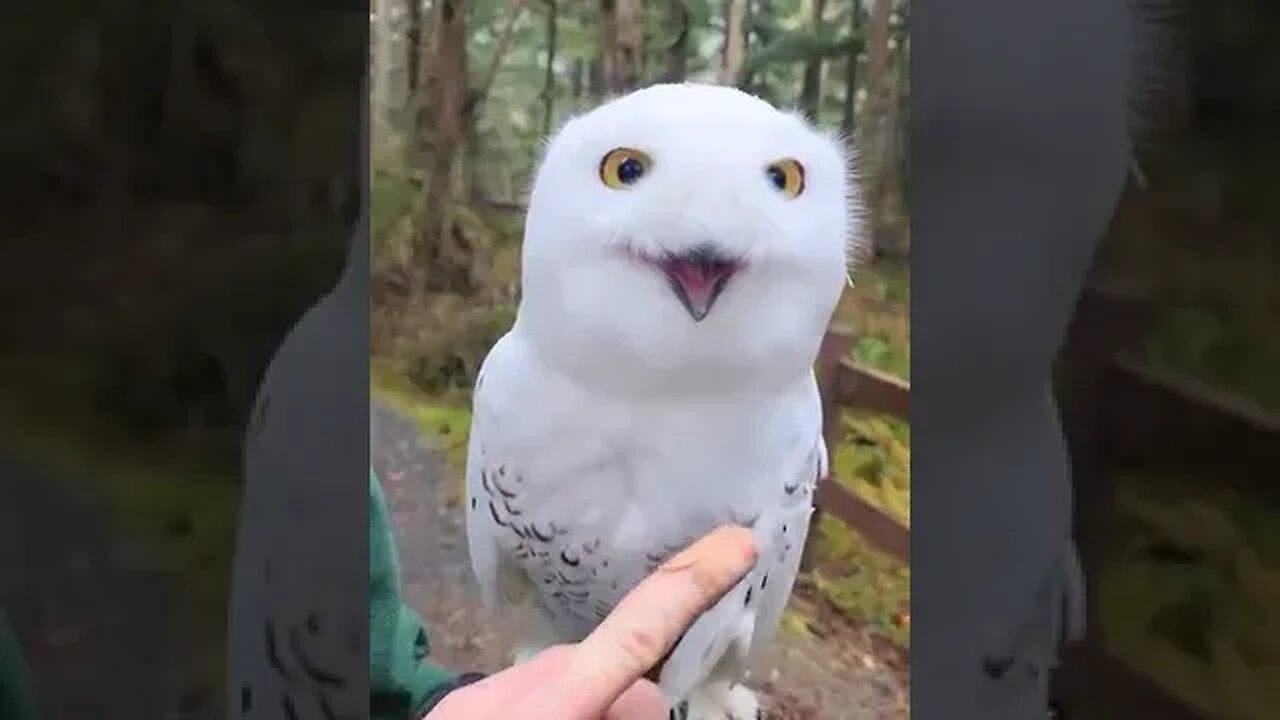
{"x": 729, "y": 543}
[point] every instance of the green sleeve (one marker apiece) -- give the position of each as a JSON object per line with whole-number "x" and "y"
{"x": 403, "y": 685}
{"x": 17, "y": 701}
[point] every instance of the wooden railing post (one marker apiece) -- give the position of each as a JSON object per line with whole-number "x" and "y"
{"x": 836, "y": 345}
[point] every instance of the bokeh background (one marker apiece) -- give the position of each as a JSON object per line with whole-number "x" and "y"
{"x": 179, "y": 181}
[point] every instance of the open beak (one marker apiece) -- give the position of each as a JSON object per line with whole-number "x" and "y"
{"x": 698, "y": 277}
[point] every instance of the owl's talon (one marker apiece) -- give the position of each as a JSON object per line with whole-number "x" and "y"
{"x": 724, "y": 702}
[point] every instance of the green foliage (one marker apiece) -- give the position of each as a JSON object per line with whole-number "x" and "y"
{"x": 174, "y": 496}
{"x": 1211, "y": 346}
{"x": 860, "y": 580}
{"x": 799, "y": 46}
{"x": 877, "y": 309}
{"x": 1191, "y": 600}
{"x": 874, "y": 460}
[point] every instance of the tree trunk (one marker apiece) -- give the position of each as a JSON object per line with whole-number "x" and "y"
{"x": 606, "y": 50}
{"x": 413, "y": 43}
{"x": 678, "y": 51}
{"x": 811, "y": 87}
{"x": 848, "y": 119}
{"x": 621, "y": 33}
{"x": 878, "y": 44}
{"x": 733, "y": 50}
{"x": 380, "y": 74}
{"x": 630, "y": 46}
{"x": 876, "y": 136}
{"x": 549, "y": 79}
{"x": 595, "y": 79}
{"x": 750, "y": 39}
{"x": 442, "y": 248}
{"x": 577, "y": 80}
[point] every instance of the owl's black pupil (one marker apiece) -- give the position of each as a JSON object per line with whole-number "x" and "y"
{"x": 778, "y": 178}
{"x": 629, "y": 171}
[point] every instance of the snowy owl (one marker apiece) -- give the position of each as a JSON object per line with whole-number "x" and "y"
{"x": 684, "y": 250}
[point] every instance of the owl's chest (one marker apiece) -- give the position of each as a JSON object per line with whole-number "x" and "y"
{"x": 604, "y": 500}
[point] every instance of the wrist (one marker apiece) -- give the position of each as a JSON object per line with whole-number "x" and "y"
{"x": 436, "y": 696}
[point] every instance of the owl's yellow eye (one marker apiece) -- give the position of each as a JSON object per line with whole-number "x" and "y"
{"x": 622, "y": 167}
{"x": 788, "y": 176}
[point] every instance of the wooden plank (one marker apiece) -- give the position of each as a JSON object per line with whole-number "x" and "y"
{"x": 879, "y": 529}
{"x": 866, "y": 389}
{"x": 1161, "y": 423}
{"x": 846, "y": 384}
{"x": 1092, "y": 682}
{"x": 836, "y": 344}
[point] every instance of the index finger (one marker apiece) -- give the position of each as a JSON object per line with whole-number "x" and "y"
{"x": 647, "y": 623}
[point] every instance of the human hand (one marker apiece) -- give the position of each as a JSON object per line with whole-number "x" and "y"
{"x": 602, "y": 677}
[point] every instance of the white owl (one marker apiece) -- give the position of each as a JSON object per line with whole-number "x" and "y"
{"x": 684, "y": 250}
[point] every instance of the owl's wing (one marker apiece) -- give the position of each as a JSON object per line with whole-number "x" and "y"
{"x": 500, "y": 582}
{"x": 723, "y": 640}
{"x": 298, "y": 606}
{"x": 788, "y": 545}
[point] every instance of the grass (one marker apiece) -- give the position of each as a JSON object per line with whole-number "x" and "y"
{"x": 1208, "y": 344}
{"x": 877, "y": 309}
{"x": 176, "y": 498}
{"x": 1191, "y": 599}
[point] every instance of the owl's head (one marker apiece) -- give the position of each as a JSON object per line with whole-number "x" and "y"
{"x": 686, "y": 236}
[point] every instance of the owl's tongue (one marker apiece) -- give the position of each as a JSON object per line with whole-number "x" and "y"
{"x": 698, "y": 277}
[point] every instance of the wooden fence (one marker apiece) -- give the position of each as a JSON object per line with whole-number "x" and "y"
{"x": 845, "y": 384}
{"x": 1118, "y": 415}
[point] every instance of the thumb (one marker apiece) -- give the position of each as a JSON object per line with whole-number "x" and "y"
{"x": 645, "y": 625}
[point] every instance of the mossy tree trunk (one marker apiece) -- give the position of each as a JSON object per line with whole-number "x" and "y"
{"x": 442, "y": 248}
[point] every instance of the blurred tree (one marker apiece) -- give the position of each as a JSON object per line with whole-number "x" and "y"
{"x": 734, "y": 41}
{"x": 811, "y": 90}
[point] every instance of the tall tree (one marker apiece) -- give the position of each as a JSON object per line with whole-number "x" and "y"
{"x": 448, "y": 105}
{"x": 621, "y": 45}
{"x": 631, "y": 37}
{"x": 414, "y": 39}
{"x": 848, "y": 117}
{"x": 811, "y": 86}
{"x": 878, "y": 45}
{"x": 733, "y": 51}
{"x": 549, "y": 77}
{"x": 881, "y": 139}
{"x": 678, "y": 23}
{"x": 380, "y": 45}
{"x": 605, "y": 72}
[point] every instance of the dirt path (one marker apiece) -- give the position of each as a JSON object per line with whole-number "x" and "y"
{"x": 833, "y": 673}
{"x": 98, "y": 623}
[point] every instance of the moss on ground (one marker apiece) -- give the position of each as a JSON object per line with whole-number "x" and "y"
{"x": 443, "y": 421}
{"x": 177, "y": 496}
{"x": 1191, "y": 598}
